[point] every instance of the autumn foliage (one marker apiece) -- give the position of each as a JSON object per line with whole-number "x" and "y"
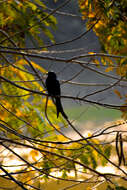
{"x": 33, "y": 143}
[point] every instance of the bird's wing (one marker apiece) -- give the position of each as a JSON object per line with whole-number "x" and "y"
{"x": 57, "y": 88}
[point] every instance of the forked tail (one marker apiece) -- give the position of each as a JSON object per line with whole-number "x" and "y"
{"x": 60, "y": 108}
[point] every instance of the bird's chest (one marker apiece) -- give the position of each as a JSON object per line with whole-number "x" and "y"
{"x": 53, "y": 87}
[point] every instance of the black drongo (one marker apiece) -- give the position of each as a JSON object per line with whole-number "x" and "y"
{"x": 53, "y": 88}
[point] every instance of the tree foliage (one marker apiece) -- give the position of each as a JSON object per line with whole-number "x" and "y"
{"x": 34, "y": 144}
{"x": 111, "y": 29}
{"x": 25, "y": 18}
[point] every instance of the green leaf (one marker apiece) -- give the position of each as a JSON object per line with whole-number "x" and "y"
{"x": 84, "y": 159}
{"x": 107, "y": 153}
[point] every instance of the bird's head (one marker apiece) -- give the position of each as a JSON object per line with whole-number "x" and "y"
{"x": 52, "y": 75}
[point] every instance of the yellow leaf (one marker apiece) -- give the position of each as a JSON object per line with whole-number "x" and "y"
{"x": 34, "y": 154}
{"x": 109, "y": 69}
{"x": 61, "y": 138}
{"x": 97, "y": 62}
{"x": 50, "y": 103}
{"x": 21, "y": 62}
{"x": 38, "y": 67}
{"x": 109, "y": 38}
{"x": 6, "y": 104}
{"x": 121, "y": 70}
{"x": 118, "y": 93}
{"x": 19, "y": 113}
{"x": 88, "y": 188}
{"x": 89, "y": 134}
{"x": 99, "y": 24}
{"x": 24, "y": 62}
{"x": 57, "y": 126}
{"x": 3, "y": 114}
{"x": 109, "y": 61}
{"x": 91, "y": 15}
{"x": 91, "y": 53}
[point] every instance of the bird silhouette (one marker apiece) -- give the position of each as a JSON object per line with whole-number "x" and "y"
{"x": 53, "y": 88}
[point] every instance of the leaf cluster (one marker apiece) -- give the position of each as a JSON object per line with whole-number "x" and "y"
{"x": 21, "y": 19}
{"x": 111, "y": 29}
